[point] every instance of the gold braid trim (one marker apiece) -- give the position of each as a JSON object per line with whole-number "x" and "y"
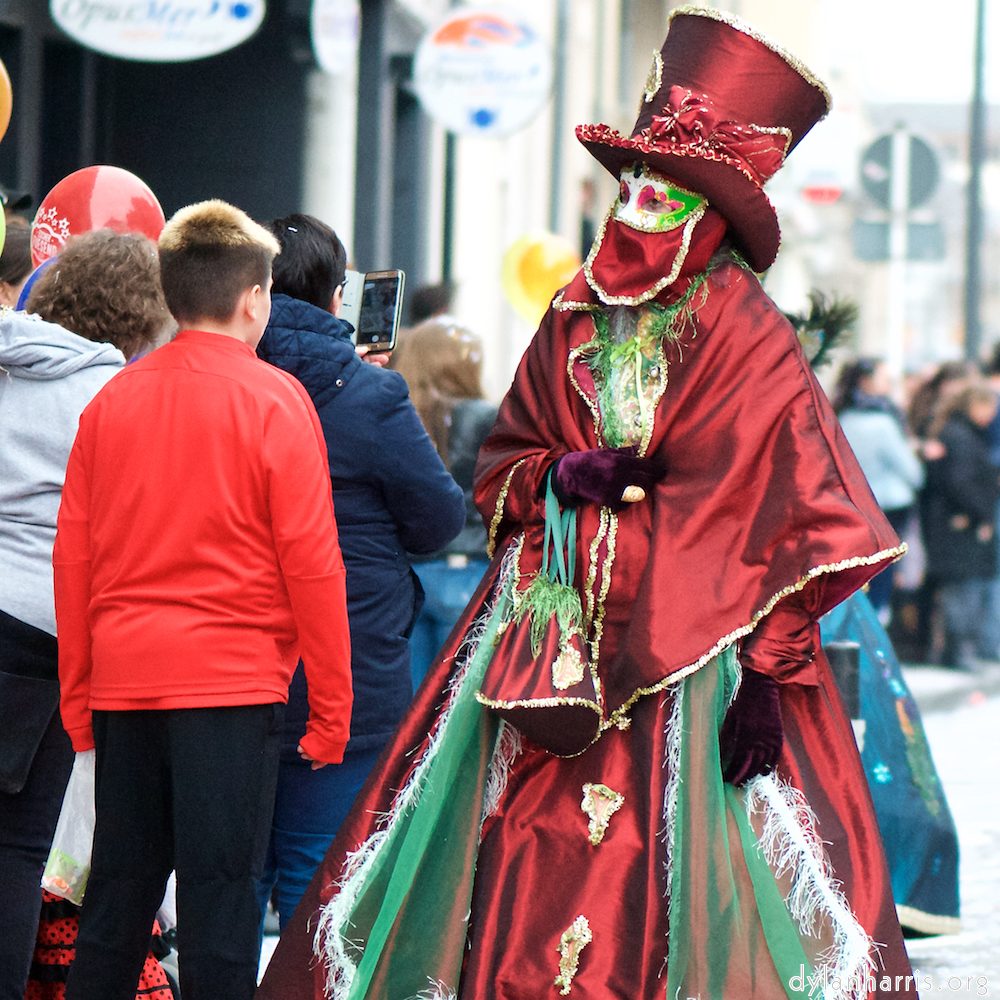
{"x": 595, "y": 411}
{"x": 491, "y": 544}
{"x": 595, "y": 646}
{"x": 559, "y": 304}
{"x": 618, "y": 716}
{"x": 536, "y": 702}
{"x": 588, "y": 586}
{"x": 748, "y": 29}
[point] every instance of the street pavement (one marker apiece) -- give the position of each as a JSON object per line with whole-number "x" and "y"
{"x": 961, "y": 716}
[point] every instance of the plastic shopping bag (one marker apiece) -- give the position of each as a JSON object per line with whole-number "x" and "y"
{"x": 68, "y": 867}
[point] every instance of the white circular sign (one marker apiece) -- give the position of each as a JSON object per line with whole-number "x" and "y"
{"x": 483, "y": 72}
{"x": 336, "y": 27}
{"x": 161, "y": 31}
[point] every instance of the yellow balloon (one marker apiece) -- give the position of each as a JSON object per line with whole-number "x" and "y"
{"x": 534, "y": 268}
{"x": 3, "y": 229}
{"x": 6, "y": 100}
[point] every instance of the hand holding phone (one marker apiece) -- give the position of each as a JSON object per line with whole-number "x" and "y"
{"x": 379, "y": 311}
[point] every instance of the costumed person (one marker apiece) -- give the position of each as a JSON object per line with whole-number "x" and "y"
{"x": 629, "y": 773}
{"x": 921, "y": 842}
{"x": 442, "y": 362}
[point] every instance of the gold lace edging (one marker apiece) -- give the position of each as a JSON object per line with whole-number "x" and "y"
{"x": 491, "y": 543}
{"x": 617, "y": 716}
{"x": 538, "y": 703}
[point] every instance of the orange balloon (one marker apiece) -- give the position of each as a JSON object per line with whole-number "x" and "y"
{"x": 534, "y": 268}
{"x": 6, "y": 100}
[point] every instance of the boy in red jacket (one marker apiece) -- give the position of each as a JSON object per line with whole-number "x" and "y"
{"x": 196, "y": 559}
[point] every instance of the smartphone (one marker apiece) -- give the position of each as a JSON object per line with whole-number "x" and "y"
{"x": 379, "y": 310}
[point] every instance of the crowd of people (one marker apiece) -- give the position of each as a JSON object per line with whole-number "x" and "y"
{"x": 931, "y": 454}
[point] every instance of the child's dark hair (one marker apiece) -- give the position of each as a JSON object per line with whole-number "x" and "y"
{"x": 210, "y": 253}
{"x": 313, "y": 261}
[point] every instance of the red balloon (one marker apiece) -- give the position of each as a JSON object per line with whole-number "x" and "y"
{"x": 94, "y": 198}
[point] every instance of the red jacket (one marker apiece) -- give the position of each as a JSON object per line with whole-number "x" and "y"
{"x": 196, "y": 555}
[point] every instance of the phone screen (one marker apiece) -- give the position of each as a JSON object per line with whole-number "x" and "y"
{"x": 381, "y": 302}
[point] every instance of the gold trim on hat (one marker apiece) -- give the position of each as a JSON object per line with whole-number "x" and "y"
{"x": 653, "y": 80}
{"x": 748, "y": 29}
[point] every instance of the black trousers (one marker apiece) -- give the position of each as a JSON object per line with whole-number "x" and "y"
{"x": 190, "y": 790}
{"x": 28, "y": 817}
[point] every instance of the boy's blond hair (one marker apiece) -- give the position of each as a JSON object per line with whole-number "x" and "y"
{"x": 210, "y": 253}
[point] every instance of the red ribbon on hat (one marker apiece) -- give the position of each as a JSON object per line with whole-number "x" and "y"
{"x": 690, "y": 120}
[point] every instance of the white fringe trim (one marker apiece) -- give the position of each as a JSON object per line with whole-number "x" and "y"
{"x": 331, "y": 942}
{"x": 436, "y": 991}
{"x": 791, "y": 845}
{"x": 506, "y": 750}
{"x": 672, "y": 762}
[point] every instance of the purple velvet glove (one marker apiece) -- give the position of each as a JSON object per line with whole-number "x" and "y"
{"x": 601, "y": 475}
{"x": 752, "y": 735}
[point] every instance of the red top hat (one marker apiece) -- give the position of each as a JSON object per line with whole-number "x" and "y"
{"x": 722, "y": 108}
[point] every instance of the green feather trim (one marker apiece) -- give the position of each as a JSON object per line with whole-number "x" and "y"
{"x": 543, "y": 599}
{"x": 667, "y": 325}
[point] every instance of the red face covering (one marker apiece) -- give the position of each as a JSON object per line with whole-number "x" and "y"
{"x": 632, "y": 261}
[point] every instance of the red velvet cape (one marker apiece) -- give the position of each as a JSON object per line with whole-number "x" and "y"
{"x": 763, "y": 497}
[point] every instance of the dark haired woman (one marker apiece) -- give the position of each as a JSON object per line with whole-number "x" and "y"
{"x": 100, "y": 304}
{"x": 874, "y": 428}
{"x": 959, "y": 515}
{"x": 392, "y": 495}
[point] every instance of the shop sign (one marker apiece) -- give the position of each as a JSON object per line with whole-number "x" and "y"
{"x": 158, "y": 30}
{"x": 483, "y": 72}
{"x": 336, "y": 27}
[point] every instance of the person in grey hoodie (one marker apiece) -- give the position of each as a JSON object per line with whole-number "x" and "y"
{"x": 48, "y": 374}
{"x": 875, "y": 430}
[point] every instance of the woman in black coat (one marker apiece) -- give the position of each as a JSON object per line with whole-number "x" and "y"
{"x": 958, "y": 517}
{"x": 392, "y": 495}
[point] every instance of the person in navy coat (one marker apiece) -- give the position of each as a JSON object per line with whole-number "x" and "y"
{"x": 392, "y": 495}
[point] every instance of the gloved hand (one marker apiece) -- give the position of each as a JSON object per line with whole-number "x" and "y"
{"x": 752, "y": 735}
{"x": 602, "y": 474}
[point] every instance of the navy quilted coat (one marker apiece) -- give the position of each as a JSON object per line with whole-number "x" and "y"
{"x": 392, "y": 495}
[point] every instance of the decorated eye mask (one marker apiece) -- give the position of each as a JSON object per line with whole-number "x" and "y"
{"x": 650, "y": 202}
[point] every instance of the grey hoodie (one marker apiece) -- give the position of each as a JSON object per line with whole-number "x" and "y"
{"x": 47, "y": 376}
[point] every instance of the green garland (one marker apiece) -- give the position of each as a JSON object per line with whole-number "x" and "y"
{"x": 668, "y": 325}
